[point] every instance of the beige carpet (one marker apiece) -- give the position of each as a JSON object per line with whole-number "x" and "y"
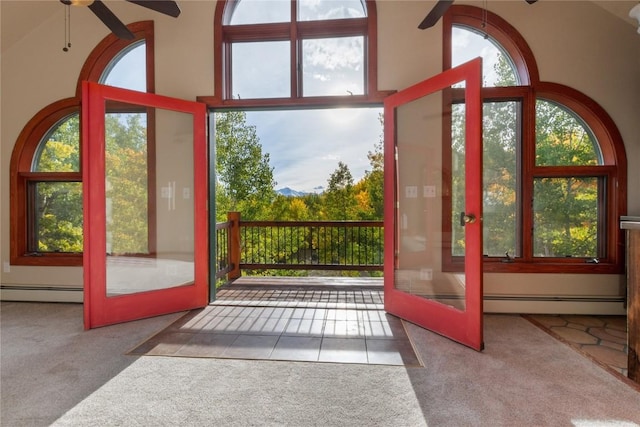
{"x": 54, "y": 373}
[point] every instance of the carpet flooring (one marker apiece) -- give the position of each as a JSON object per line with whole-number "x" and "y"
{"x": 55, "y": 373}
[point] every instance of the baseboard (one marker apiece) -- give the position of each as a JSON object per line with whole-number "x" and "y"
{"x": 535, "y": 304}
{"x": 40, "y": 294}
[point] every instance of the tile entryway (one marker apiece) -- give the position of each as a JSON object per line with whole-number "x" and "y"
{"x": 312, "y": 323}
{"x": 601, "y": 338}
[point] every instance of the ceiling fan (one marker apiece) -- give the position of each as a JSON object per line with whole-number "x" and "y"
{"x": 440, "y": 9}
{"x": 167, "y": 7}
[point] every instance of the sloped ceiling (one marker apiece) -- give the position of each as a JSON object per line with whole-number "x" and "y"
{"x": 15, "y": 21}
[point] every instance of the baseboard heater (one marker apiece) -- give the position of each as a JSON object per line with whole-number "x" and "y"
{"x": 615, "y": 299}
{"x": 40, "y": 293}
{"x": 561, "y": 304}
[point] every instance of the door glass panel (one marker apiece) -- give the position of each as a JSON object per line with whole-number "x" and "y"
{"x": 149, "y": 204}
{"x": 420, "y": 193}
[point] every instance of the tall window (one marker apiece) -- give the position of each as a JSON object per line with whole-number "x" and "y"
{"x": 554, "y": 165}
{"x": 291, "y": 70}
{"x": 46, "y": 169}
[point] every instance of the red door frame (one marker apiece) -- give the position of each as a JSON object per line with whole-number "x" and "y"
{"x": 463, "y": 326}
{"x": 100, "y": 310}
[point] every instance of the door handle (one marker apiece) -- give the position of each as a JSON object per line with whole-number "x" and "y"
{"x": 466, "y": 219}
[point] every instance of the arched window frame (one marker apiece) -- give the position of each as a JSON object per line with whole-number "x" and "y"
{"x": 613, "y": 167}
{"x": 26, "y": 147}
{"x": 295, "y": 32}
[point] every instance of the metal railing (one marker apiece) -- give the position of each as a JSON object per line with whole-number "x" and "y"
{"x": 297, "y": 245}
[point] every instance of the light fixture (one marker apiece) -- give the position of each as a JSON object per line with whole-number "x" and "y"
{"x": 635, "y": 14}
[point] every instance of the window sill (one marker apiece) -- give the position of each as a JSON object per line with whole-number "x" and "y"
{"x": 49, "y": 260}
{"x": 540, "y": 266}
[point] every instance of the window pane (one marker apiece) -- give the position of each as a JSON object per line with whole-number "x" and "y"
{"x": 333, "y": 66}
{"x": 562, "y": 138}
{"x": 500, "y": 178}
{"x": 59, "y": 150}
{"x": 127, "y": 183}
{"x": 128, "y": 69}
{"x": 317, "y": 10}
{"x": 457, "y": 176}
{"x": 497, "y": 66}
{"x": 260, "y": 12}
{"x": 260, "y": 70}
{"x": 57, "y": 217}
{"x": 565, "y": 217}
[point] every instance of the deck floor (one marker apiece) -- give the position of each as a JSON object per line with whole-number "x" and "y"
{"x": 338, "y": 320}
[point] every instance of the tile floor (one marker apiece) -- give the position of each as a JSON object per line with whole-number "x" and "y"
{"x": 601, "y": 338}
{"x": 345, "y": 324}
{"x": 313, "y": 324}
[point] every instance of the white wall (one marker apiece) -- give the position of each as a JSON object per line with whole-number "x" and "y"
{"x": 575, "y": 43}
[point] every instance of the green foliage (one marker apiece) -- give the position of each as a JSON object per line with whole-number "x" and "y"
{"x": 58, "y": 205}
{"x": 127, "y": 183}
{"x": 565, "y": 209}
{"x": 61, "y": 151}
{"x": 59, "y": 216}
{"x": 373, "y": 181}
{"x": 339, "y": 197}
{"x": 562, "y": 139}
{"x": 244, "y": 177}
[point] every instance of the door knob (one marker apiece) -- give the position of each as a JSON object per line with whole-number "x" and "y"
{"x": 466, "y": 219}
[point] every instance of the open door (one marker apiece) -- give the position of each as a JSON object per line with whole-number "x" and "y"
{"x": 433, "y": 204}
{"x": 145, "y": 205}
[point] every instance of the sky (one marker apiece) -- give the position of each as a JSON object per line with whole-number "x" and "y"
{"x": 305, "y": 146}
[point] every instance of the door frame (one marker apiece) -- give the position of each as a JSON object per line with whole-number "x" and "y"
{"x": 100, "y": 309}
{"x": 464, "y": 326}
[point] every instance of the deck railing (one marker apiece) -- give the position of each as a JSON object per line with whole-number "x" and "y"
{"x": 297, "y": 245}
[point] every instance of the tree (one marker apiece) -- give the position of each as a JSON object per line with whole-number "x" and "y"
{"x": 340, "y": 195}
{"x": 127, "y": 188}
{"x": 58, "y": 205}
{"x": 565, "y": 209}
{"x": 373, "y": 180}
{"x": 244, "y": 178}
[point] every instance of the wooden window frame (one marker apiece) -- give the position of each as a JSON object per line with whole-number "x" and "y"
{"x": 294, "y": 32}
{"x": 21, "y": 220}
{"x": 612, "y": 170}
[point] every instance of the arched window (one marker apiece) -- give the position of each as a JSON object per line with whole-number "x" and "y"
{"x": 303, "y": 52}
{"x": 46, "y": 169}
{"x": 554, "y": 164}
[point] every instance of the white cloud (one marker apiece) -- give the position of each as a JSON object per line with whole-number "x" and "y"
{"x": 306, "y": 145}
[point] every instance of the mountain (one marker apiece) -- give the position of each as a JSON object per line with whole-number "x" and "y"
{"x": 289, "y": 192}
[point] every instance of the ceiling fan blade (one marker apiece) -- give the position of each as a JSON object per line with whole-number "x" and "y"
{"x": 435, "y": 14}
{"x": 110, "y": 20}
{"x": 531, "y": 1}
{"x": 167, "y": 7}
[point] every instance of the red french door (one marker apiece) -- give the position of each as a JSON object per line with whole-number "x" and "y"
{"x": 145, "y": 205}
{"x": 433, "y": 204}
